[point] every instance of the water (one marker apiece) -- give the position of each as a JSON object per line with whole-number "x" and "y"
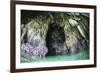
{"x": 84, "y": 55}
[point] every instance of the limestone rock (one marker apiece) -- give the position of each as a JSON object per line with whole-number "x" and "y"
{"x": 73, "y": 22}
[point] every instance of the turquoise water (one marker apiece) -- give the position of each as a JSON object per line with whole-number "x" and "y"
{"x": 84, "y": 55}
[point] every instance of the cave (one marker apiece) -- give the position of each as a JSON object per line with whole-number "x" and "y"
{"x": 55, "y": 39}
{"x": 63, "y": 34}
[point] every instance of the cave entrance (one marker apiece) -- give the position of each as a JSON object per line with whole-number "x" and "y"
{"x": 55, "y": 39}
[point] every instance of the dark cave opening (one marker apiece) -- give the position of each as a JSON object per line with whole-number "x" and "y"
{"x": 55, "y": 39}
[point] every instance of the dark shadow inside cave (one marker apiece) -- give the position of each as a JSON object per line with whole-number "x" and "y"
{"x": 55, "y": 39}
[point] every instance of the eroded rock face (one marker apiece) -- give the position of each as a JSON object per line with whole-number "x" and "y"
{"x": 35, "y": 34}
{"x": 76, "y": 29}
